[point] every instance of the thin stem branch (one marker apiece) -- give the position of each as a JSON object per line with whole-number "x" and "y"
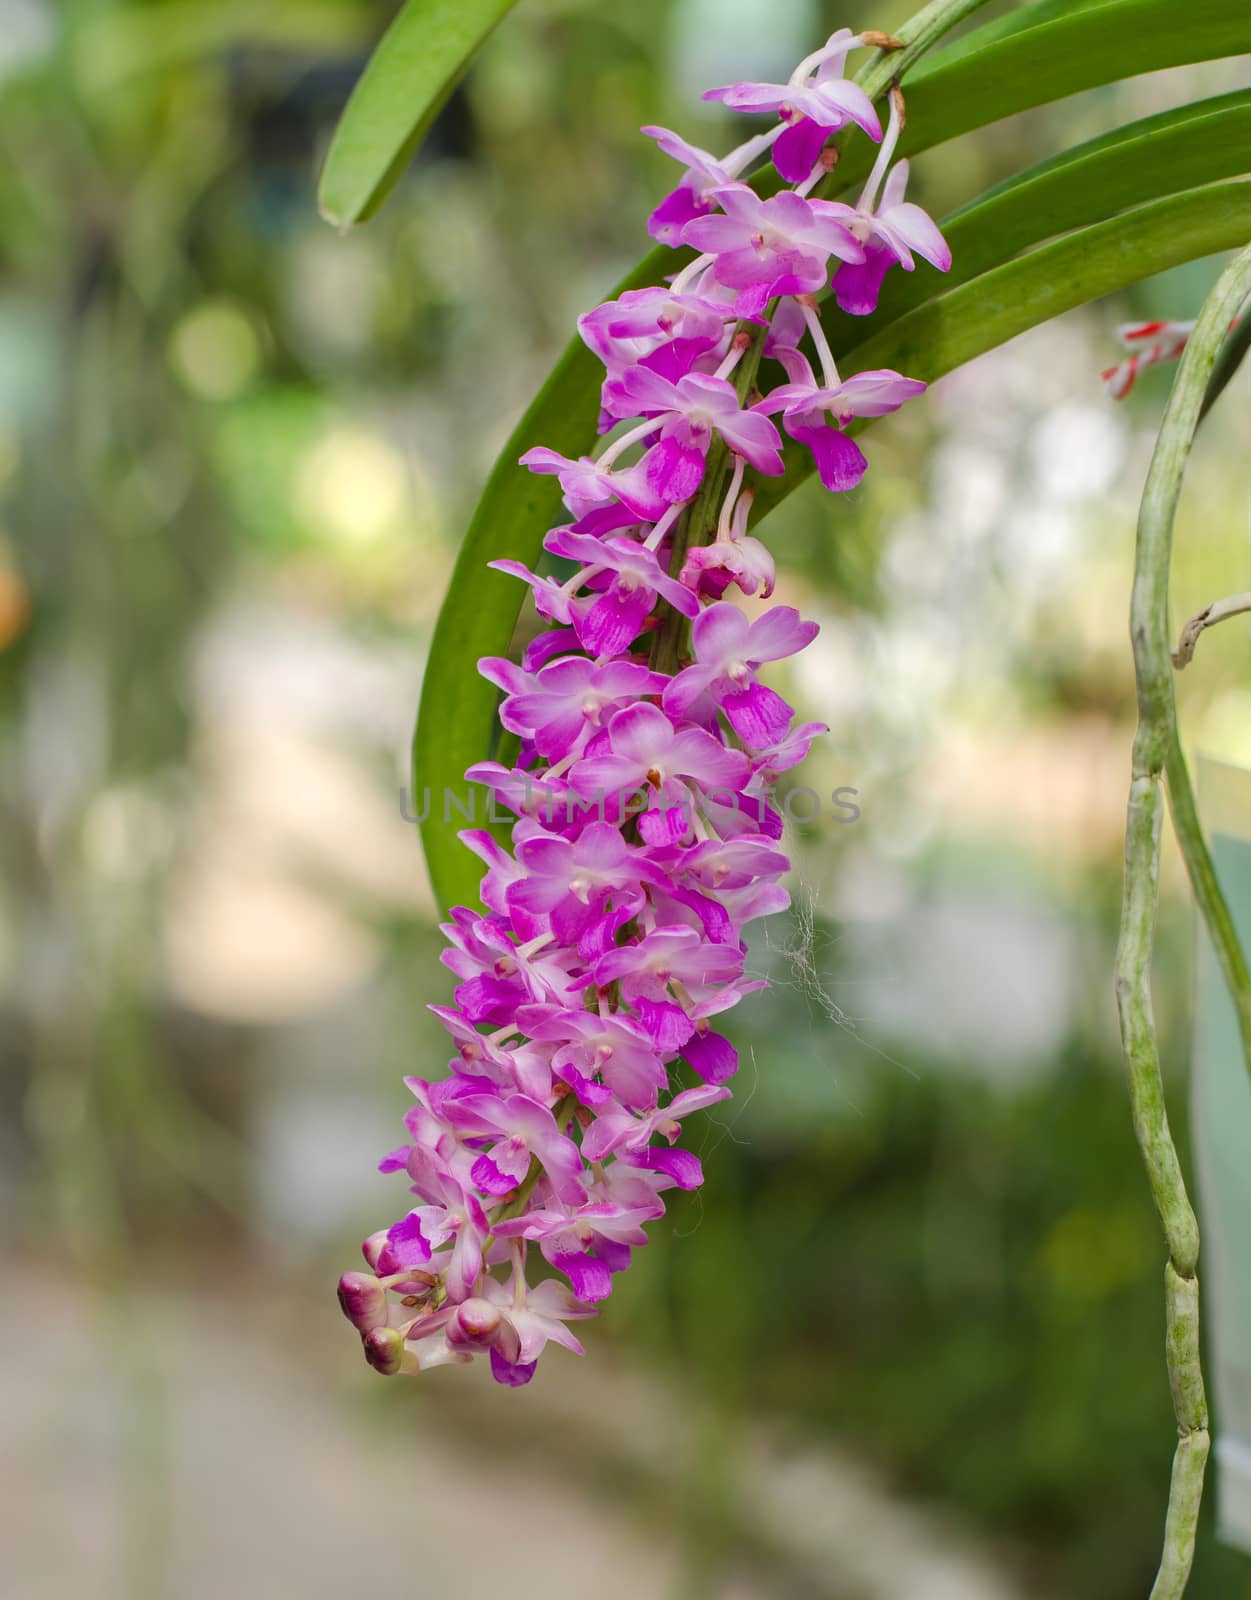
{"x": 700, "y": 517}
{"x": 1157, "y": 752}
{"x": 1218, "y": 611}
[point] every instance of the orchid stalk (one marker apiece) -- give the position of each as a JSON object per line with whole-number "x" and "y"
{"x": 1158, "y": 762}
{"x": 645, "y": 840}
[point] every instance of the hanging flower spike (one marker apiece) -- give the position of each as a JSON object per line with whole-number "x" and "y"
{"x": 612, "y": 933}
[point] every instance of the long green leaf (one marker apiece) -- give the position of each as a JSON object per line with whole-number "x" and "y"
{"x": 419, "y": 61}
{"x": 456, "y": 722}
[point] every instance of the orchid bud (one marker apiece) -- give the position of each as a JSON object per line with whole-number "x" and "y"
{"x": 474, "y": 1325}
{"x": 364, "y": 1301}
{"x": 384, "y": 1351}
{"x": 373, "y": 1247}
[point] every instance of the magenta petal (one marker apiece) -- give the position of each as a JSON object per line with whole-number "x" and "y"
{"x": 857, "y": 284}
{"x": 758, "y": 715}
{"x": 752, "y": 300}
{"x": 406, "y": 1243}
{"x": 668, "y": 826}
{"x": 667, "y": 1025}
{"x": 675, "y": 470}
{"x": 488, "y": 1000}
{"x": 797, "y": 149}
{"x": 613, "y": 621}
{"x": 840, "y": 462}
{"x": 490, "y": 1179}
{"x": 614, "y": 1255}
{"x": 712, "y": 1056}
{"x": 589, "y": 1093}
{"x": 673, "y": 213}
{"x": 681, "y": 1165}
{"x": 513, "y": 1373}
{"x": 715, "y": 918}
{"x": 675, "y": 359}
{"x": 570, "y": 918}
{"x": 590, "y": 1278}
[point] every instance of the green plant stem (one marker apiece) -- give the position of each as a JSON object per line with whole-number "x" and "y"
{"x": 1157, "y": 753}
{"x": 700, "y": 516}
{"x": 919, "y": 34}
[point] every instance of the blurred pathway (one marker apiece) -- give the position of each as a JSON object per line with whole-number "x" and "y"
{"x": 218, "y": 1469}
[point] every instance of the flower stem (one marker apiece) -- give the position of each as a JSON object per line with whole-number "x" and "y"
{"x": 1158, "y": 755}
{"x": 699, "y": 518}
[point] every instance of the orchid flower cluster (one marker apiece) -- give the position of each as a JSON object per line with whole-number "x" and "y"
{"x": 645, "y": 838}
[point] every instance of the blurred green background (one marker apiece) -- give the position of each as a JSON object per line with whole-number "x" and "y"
{"x": 908, "y": 1340}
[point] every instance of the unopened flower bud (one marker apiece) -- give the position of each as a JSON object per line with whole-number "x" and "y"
{"x": 373, "y": 1247}
{"x": 364, "y": 1301}
{"x": 384, "y": 1351}
{"x": 474, "y": 1326}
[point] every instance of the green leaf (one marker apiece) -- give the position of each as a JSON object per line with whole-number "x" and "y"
{"x": 1048, "y": 51}
{"x": 419, "y": 61}
{"x": 456, "y": 723}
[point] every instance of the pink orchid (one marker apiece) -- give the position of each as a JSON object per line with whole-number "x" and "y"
{"x": 560, "y": 707}
{"x": 523, "y": 1128}
{"x": 616, "y": 1128}
{"x": 693, "y": 196}
{"x": 840, "y": 462}
{"x": 567, "y": 1241}
{"x": 585, "y": 484}
{"x": 669, "y": 956}
{"x": 765, "y": 248}
{"x": 728, "y": 653}
{"x": 569, "y": 882}
{"x": 613, "y": 1048}
{"x": 889, "y": 229}
{"x": 647, "y": 754}
{"x": 531, "y": 1316}
{"x": 627, "y": 330}
{"x": 811, "y": 106}
{"x": 609, "y": 623}
{"x": 459, "y": 1221}
{"x": 688, "y": 413}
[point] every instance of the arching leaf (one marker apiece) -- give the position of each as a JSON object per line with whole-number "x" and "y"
{"x": 419, "y": 61}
